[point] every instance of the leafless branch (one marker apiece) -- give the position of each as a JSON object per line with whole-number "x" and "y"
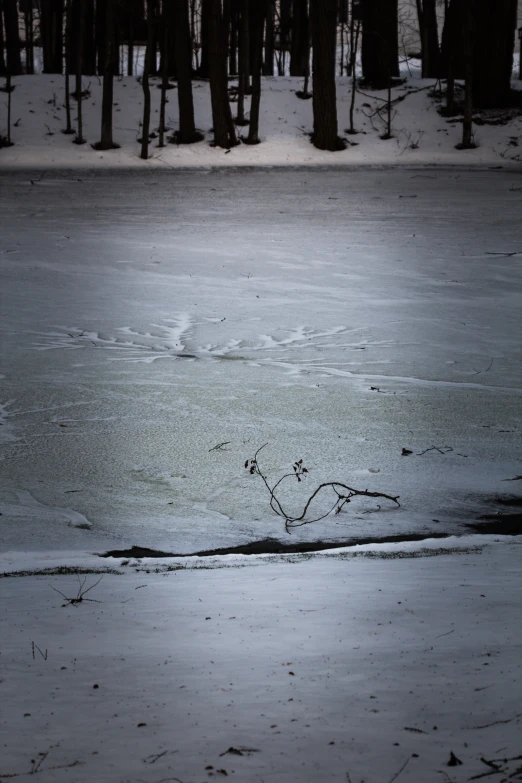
{"x": 342, "y": 491}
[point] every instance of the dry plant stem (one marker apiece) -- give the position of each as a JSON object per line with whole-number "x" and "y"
{"x": 342, "y": 491}
{"x": 81, "y": 592}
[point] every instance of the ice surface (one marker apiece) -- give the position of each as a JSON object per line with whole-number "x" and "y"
{"x": 145, "y": 321}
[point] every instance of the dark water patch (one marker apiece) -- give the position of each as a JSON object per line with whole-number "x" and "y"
{"x": 498, "y": 525}
{"x": 272, "y": 546}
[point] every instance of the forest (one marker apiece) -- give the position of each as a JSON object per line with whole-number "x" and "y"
{"x": 464, "y": 44}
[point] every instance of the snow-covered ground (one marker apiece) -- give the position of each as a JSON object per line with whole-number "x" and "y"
{"x": 341, "y": 668}
{"x": 365, "y": 320}
{"x": 420, "y": 134}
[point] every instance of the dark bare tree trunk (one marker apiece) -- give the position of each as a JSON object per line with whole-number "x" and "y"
{"x": 99, "y": 36}
{"x": 82, "y": 25}
{"x": 244, "y": 61}
{"x": 203, "y": 70}
{"x": 257, "y": 21}
{"x": 187, "y": 133}
{"x": 224, "y": 131}
{"x": 494, "y": 43}
{"x": 68, "y": 123}
{"x": 79, "y": 97}
{"x": 285, "y": 26}
{"x": 106, "y": 141}
{"x": 467, "y": 122}
{"x": 167, "y": 35}
{"x": 156, "y": 40}
{"x": 89, "y": 48}
{"x": 6, "y": 141}
{"x": 149, "y": 54}
{"x": 26, "y": 7}
{"x": 3, "y": 67}
{"x": 426, "y": 10}
{"x": 355, "y": 30}
{"x": 380, "y": 49}
{"x": 268, "y": 63}
{"x": 453, "y": 40}
{"x": 323, "y": 22}
{"x": 12, "y": 38}
{"x": 299, "y": 51}
{"x": 234, "y": 36}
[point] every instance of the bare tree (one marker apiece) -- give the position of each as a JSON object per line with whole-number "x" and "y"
{"x": 78, "y": 139}
{"x": 380, "y": 49}
{"x": 244, "y": 61}
{"x": 110, "y": 62}
{"x": 323, "y": 18}
{"x": 467, "y": 122}
{"x": 187, "y": 133}
{"x": 258, "y": 20}
{"x": 149, "y": 54}
{"x": 68, "y": 123}
{"x": 12, "y": 37}
{"x": 268, "y": 62}
{"x": 224, "y": 130}
{"x": 427, "y": 15}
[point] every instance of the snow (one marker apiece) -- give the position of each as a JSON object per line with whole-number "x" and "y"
{"x": 338, "y": 312}
{"x": 420, "y": 135}
{"x": 331, "y": 668}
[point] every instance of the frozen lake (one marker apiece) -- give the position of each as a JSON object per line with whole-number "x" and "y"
{"x": 338, "y": 316}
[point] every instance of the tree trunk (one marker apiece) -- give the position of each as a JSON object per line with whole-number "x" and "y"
{"x": 26, "y": 7}
{"x": 244, "y": 61}
{"x": 83, "y": 27}
{"x": 285, "y": 22}
{"x": 257, "y": 21}
{"x": 99, "y": 36}
{"x": 268, "y": 63}
{"x": 453, "y": 40}
{"x": 427, "y": 14}
{"x": 89, "y": 48}
{"x": 467, "y": 122}
{"x": 68, "y": 124}
{"x": 203, "y": 70}
{"x": 380, "y": 49}
{"x": 224, "y": 131}
{"x": 149, "y": 53}
{"x": 494, "y": 43}
{"x": 187, "y": 133}
{"x": 106, "y": 142}
{"x": 299, "y": 51}
{"x": 323, "y": 22}
{"x": 12, "y": 38}
{"x": 234, "y": 35}
{"x": 3, "y": 68}
{"x": 79, "y": 98}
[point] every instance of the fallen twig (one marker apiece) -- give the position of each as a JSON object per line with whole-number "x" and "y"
{"x": 435, "y": 448}
{"x": 514, "y": 253}
{"x": 399, "y": 772}
{"x": 81, "y": 592}
{"x": 495, "y": 722}
{"x": 343, "y": 493}
{"x": 220, "y": 445}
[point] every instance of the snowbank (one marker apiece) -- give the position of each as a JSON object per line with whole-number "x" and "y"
{"x": 420, "y": 135}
